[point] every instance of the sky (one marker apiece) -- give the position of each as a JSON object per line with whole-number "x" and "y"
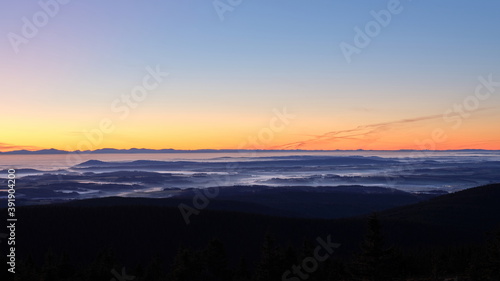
{"x": 266, "y": 74}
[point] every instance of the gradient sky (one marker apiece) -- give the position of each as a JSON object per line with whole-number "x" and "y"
{"x": 227, "y": 78}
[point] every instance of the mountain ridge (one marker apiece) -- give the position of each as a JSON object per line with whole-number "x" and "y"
{"x": 171, "y": 150}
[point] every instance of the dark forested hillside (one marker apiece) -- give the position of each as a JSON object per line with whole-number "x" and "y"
{"x": 89, "y": 238}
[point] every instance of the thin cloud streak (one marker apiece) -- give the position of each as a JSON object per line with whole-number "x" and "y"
{"x": 358, "y": 133}
{"x": 9, "y": 147}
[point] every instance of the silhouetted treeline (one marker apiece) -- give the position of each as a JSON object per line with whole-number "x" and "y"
{"x": 374, "y": 260}
{"x": 446, "y": 237}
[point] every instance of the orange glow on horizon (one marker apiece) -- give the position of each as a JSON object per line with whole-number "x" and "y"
{"x": 250, "y": 132}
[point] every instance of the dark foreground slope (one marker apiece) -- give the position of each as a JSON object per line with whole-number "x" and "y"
{"x": 476, "y": 208}
{"x": 291, "y": 201}
{"x": 467, "y": 215}
{"x": 138, "y": 230}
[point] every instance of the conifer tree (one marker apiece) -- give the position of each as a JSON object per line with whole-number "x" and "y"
{"x": 215, "y": 262}
{"x": 493, "y": 257}
{"x": 269, "y": 267}
{"x": 242, "y": 273}
{"x": 186, "y": 266}
{"x": 49, "y": 268}
{"x": 102, "y": 266}
{"x": 374, "y": 261}
{"x": 155, "y": 270}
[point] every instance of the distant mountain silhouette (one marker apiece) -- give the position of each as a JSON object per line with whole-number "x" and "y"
{"x": 170, "y": 150}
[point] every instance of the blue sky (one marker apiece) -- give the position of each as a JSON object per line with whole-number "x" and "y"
{"x": 263, "y": 55}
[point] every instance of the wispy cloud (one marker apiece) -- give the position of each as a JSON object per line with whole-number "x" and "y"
{"x": 368, "y": 133}
{"x": 9, "y": 147}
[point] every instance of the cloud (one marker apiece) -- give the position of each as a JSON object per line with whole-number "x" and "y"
{"x": 9, "y": 147}
{"x": 367, "y": 133}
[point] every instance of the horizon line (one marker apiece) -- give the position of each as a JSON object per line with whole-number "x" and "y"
{"x": 214, "y": 150}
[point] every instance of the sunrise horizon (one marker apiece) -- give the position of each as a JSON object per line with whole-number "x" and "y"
{"x": 173, "y": 150}
{"x": 260, "y": 140}
{"x": 327, "y": 76}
